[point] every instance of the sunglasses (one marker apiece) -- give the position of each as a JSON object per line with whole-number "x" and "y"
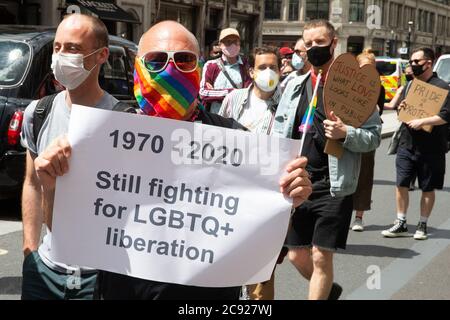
{"x": 415, "y": 61}
{"x": 156, "y": 61}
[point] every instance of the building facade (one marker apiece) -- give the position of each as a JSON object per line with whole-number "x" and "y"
{"x": 389, "y": 27}
{"x": 130, "y": 18}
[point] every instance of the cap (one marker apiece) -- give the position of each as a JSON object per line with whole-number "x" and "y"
{"x": 228, "y": 32}
{"x": 286, "y": 51}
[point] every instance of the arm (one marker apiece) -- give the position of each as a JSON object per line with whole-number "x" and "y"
{"x": 32, "y": 214}
{"x": 296, "y": 184}
{"x": 52, "y": 163}
{"x": 392, "y": 105}
{"x": 207, "y": 91}
{"x": 226, "y": 108}
{"x": 363, "y": 139}
{"x": 417, "y": 124}
{"x": 367, "y": 137}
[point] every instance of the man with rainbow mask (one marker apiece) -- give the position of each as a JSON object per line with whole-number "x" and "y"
{"x": 167, "y": 84}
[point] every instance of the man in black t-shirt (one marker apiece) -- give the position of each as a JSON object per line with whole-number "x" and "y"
{"x": 420, "y": 152}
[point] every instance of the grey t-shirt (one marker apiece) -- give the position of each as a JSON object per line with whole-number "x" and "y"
{"x": 55, "y": 125}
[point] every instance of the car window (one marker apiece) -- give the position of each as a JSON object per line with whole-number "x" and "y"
{"x": 14, "y": 60}
{"x": 114, "y": 75}
{"x": 443, "y": 69}
{"x": 386, "y": 68}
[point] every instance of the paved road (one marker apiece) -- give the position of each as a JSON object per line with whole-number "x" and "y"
{"x": 395, "y": 268}
{"x": 408, "y": 269}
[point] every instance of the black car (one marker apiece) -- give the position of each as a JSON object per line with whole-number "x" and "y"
{"x": 25, "y": 75}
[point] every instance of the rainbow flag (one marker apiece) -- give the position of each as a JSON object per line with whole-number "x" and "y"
{"x": 304, "y": 127}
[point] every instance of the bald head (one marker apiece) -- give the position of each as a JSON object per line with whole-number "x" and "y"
{"x": 88, "y": 25}
{"x": 168, "y": 36}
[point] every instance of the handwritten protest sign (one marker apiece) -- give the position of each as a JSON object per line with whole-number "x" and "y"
{"x": 351, "y": 92}
{"x": 171, "y": 201}
{"x": 422, "y": 101}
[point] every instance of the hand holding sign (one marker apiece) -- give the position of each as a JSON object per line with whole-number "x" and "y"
{"x": 351, "y": 93}
{"x": 423, "y": 100}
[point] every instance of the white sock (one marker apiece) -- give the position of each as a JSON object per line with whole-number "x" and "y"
{"x": 401, "y": 216}
{"x": 423, "y": 219}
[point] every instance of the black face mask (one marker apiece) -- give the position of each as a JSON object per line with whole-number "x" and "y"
{"x": 418, "y": 69}
{"x": 318, "y": 56}
{"x": 409, "y": 77}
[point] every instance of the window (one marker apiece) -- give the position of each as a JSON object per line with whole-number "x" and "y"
{"x": 272, "y": 10}
{"x": 409, "y": 16}
{"x": 113, "y": 76}
{"x": 293, "y": 10}
{"x": 441, "y": 26}
{"x": 420, "y": 21}
{"x": 317, "y": 9}
{"x": 430, "y": 23}
{"x": 357, "y": 9}
{"x": 443, "y": 69}
{"x": 448, "y": 27}
{"x": 386, "y": 68}
{"x": 380, "y": 4}
{"x": 14, "y": 60}
{"x": 399, "y": 15}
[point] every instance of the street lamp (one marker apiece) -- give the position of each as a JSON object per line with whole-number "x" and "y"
{"x": 410, "y": 24}
{"x": 392, "y": 46}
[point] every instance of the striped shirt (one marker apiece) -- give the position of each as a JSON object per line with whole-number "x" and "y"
{"x": 238, "y": 102}
{"x": 213, "y": 75}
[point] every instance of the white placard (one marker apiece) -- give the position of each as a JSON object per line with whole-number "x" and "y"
{"x": 171, "y": 201}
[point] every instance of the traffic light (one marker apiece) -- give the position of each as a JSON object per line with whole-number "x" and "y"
{"x": 387, "y": 48}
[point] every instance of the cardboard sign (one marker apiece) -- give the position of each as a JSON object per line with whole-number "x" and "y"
{"x": 423, "y": 100}
{"x": 351, "y": 93}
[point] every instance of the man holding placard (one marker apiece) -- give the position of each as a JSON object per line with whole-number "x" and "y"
{"x": 425, "y": 112}
{"x": 320, "y": 226}
{"x": 79, "y": 50}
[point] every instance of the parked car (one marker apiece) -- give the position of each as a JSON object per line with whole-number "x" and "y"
{"x": 25, "y": 75}
{"x": 392, "y": 75}
{"x": 442, "y": 67}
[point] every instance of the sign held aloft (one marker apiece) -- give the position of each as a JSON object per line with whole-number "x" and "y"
{"x": 351, "y": 92}
{"x": 422, "y": 101}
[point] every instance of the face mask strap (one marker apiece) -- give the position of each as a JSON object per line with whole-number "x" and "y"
{"x": 90, "y": 54}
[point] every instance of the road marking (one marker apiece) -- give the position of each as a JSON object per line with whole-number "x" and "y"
{"x": 3, "y": 252}
{"x": 9, "y": 226}
{"x": 399, "y": 272}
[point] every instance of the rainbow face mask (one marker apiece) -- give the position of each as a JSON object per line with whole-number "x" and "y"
{"x": 167, "y": 94}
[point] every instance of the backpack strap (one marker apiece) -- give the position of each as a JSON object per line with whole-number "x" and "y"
{"x": 225, "y": 73}
{"x": 45, "y": 105}
{"x": 124, "y": 107}
{"x": 43, "y": 108}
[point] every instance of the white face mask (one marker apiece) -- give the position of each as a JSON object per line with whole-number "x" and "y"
{"x": 69, "y": 70}
{"x": 297, "y": 62}
{"x": 267, "y": 80}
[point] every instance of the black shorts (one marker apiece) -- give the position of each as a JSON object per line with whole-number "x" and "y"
{"x": 113, "y": 286}
{"x": 322, "y": 221}
{"x": 429, "y": 168}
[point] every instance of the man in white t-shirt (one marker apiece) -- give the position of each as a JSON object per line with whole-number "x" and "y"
{"x": 80, "y": 48}
{"x": 254, "y": 108}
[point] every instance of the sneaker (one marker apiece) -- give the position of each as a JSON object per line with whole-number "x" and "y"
{"x": 399, "y": 229}
{"x": 336, "y": 291}
{"x": 421, "y": 232}
{"x": 358, "y": 225}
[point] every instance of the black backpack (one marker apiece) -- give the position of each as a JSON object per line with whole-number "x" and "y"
{"x": 45, "y": 105}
